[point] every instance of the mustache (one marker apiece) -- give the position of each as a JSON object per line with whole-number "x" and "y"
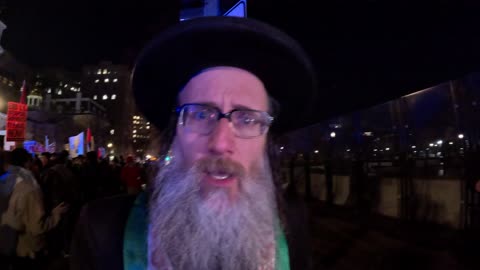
{"x": 220, "y": 165}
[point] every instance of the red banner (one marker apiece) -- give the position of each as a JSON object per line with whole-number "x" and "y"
{"x": 16, "y": 121}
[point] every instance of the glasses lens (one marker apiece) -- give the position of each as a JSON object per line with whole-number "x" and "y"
{"x": 199, "y": 118}
{"x": 249, "y": 124}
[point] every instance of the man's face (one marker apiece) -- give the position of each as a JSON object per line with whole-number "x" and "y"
{"x": 226, "y": 88}
{"x": 44, "y": 160}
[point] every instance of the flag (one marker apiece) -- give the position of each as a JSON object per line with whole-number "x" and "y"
{"x": 76, "y": 145}
{"x": 92, "y": 144}
{"x": 23, "y": 91}
{"x": 52, "y": 147}
{"x": 89, "y": 139}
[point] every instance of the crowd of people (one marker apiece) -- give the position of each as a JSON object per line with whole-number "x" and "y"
{"x": 41, "y": 197}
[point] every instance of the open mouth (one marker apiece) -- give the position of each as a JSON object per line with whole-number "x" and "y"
{"x": 220, "y": 175}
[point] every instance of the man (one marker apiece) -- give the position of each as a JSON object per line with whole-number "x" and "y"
{"x": 216, "y": 201}
{"x": 25, "y": 212}
{"x": 131, "y": 176}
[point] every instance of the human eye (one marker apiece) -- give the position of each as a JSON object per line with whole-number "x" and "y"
{"x": 200, "y": 113}
{"x": 247, "y": 118}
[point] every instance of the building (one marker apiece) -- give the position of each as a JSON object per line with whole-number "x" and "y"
{"x": 57, "y": 119}
{"x": 109, "y": 85}
{"x": 141, "y": 135}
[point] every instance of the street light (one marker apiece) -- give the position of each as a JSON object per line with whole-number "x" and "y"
{"x": 333, "y": 135}
{"x": 461, "y": 136}
{"x": 110, "y": 145}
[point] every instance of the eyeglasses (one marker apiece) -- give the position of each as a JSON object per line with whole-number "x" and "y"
{"x": 203, "y": 119}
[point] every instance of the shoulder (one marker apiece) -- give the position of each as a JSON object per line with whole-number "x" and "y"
{"x": 298, "y": 234}
{"x": 98, "y": 237}
{"x": 107, "y": 211}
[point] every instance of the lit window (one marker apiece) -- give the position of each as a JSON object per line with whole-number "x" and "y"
{"x": 106, "y": 80}
{"x": 115, "y": 80}
{"x": 95, "y": 97}
{"x": 114, "y": 96}
{"x": 105, "y": 71}
{"x": 133, "y": 117}
{"x": 105, "y": 97}
{"x": 112, "y": 131}
{"x": 97, "y": 80}
{"x": 134, "y": 131}
{"x": 99, "y": 71}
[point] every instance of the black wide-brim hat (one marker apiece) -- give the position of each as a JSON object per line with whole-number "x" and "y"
{"x": 172, "y": 58}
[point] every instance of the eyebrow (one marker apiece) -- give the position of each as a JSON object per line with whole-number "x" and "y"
{"x": 235, "y": 106}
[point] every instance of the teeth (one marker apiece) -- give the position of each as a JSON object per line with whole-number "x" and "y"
{"x": 220, "y": 176}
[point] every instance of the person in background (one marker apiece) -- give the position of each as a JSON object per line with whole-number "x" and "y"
{"x": 26, "y": 213}
{"x": 131, "y": 176}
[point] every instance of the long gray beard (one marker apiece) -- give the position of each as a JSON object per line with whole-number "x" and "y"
{"x": 187, "y": 233}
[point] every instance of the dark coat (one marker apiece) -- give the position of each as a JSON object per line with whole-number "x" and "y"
{"x": 98, "y": 239}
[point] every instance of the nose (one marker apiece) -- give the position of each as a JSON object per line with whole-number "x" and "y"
{"x": 221, "y": 141}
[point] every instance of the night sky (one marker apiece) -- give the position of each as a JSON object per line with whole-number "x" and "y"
{"x": 367, "y": 50}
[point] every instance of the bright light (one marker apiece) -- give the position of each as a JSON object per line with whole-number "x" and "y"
{"x": 439, "y": 142}
{"x": 375, "y": 150}
{"x": 97, "y": 80}
{"x": 106, "y": 80}
{"x": 387, "y": 149}
{"x": 49, "y": 91}
{"x": 461, "y": 136}
{"x": 413, "y": 147}
{"x": 450, "y": 143}
{"x": 316, "y": 151}
{"x": 148, "y": 127}
{"x": 110, "y": 145}
{"x": 112, "y": 131}
{"x": 148, "y": 156}
{"x": 105, "y": 71}
{"x": 431, "y": 145}
{"x": 281, "y": 148}
{"x": 105, "y": 97}
{"x": 134, "y": 131}
{"x": 99, "y": 71}
{"x": 95, "y": 97}
{"x": 114, "y": 96}
{"x": 59, "y": 92}
{"x": 333, "y": 135}
{"x": 115, "y": 80}
{"x": 348, "y": 150}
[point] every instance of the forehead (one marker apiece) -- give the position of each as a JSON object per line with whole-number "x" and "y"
{"x": 226, "y": 87}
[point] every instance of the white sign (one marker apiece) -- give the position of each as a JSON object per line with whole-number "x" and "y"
{"x": 238, "y": 10}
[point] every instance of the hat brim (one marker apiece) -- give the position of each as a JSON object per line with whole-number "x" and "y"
{"x": 171, "y": 59}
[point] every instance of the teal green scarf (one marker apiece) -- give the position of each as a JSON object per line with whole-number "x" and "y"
{"x": 136, "y": 233}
